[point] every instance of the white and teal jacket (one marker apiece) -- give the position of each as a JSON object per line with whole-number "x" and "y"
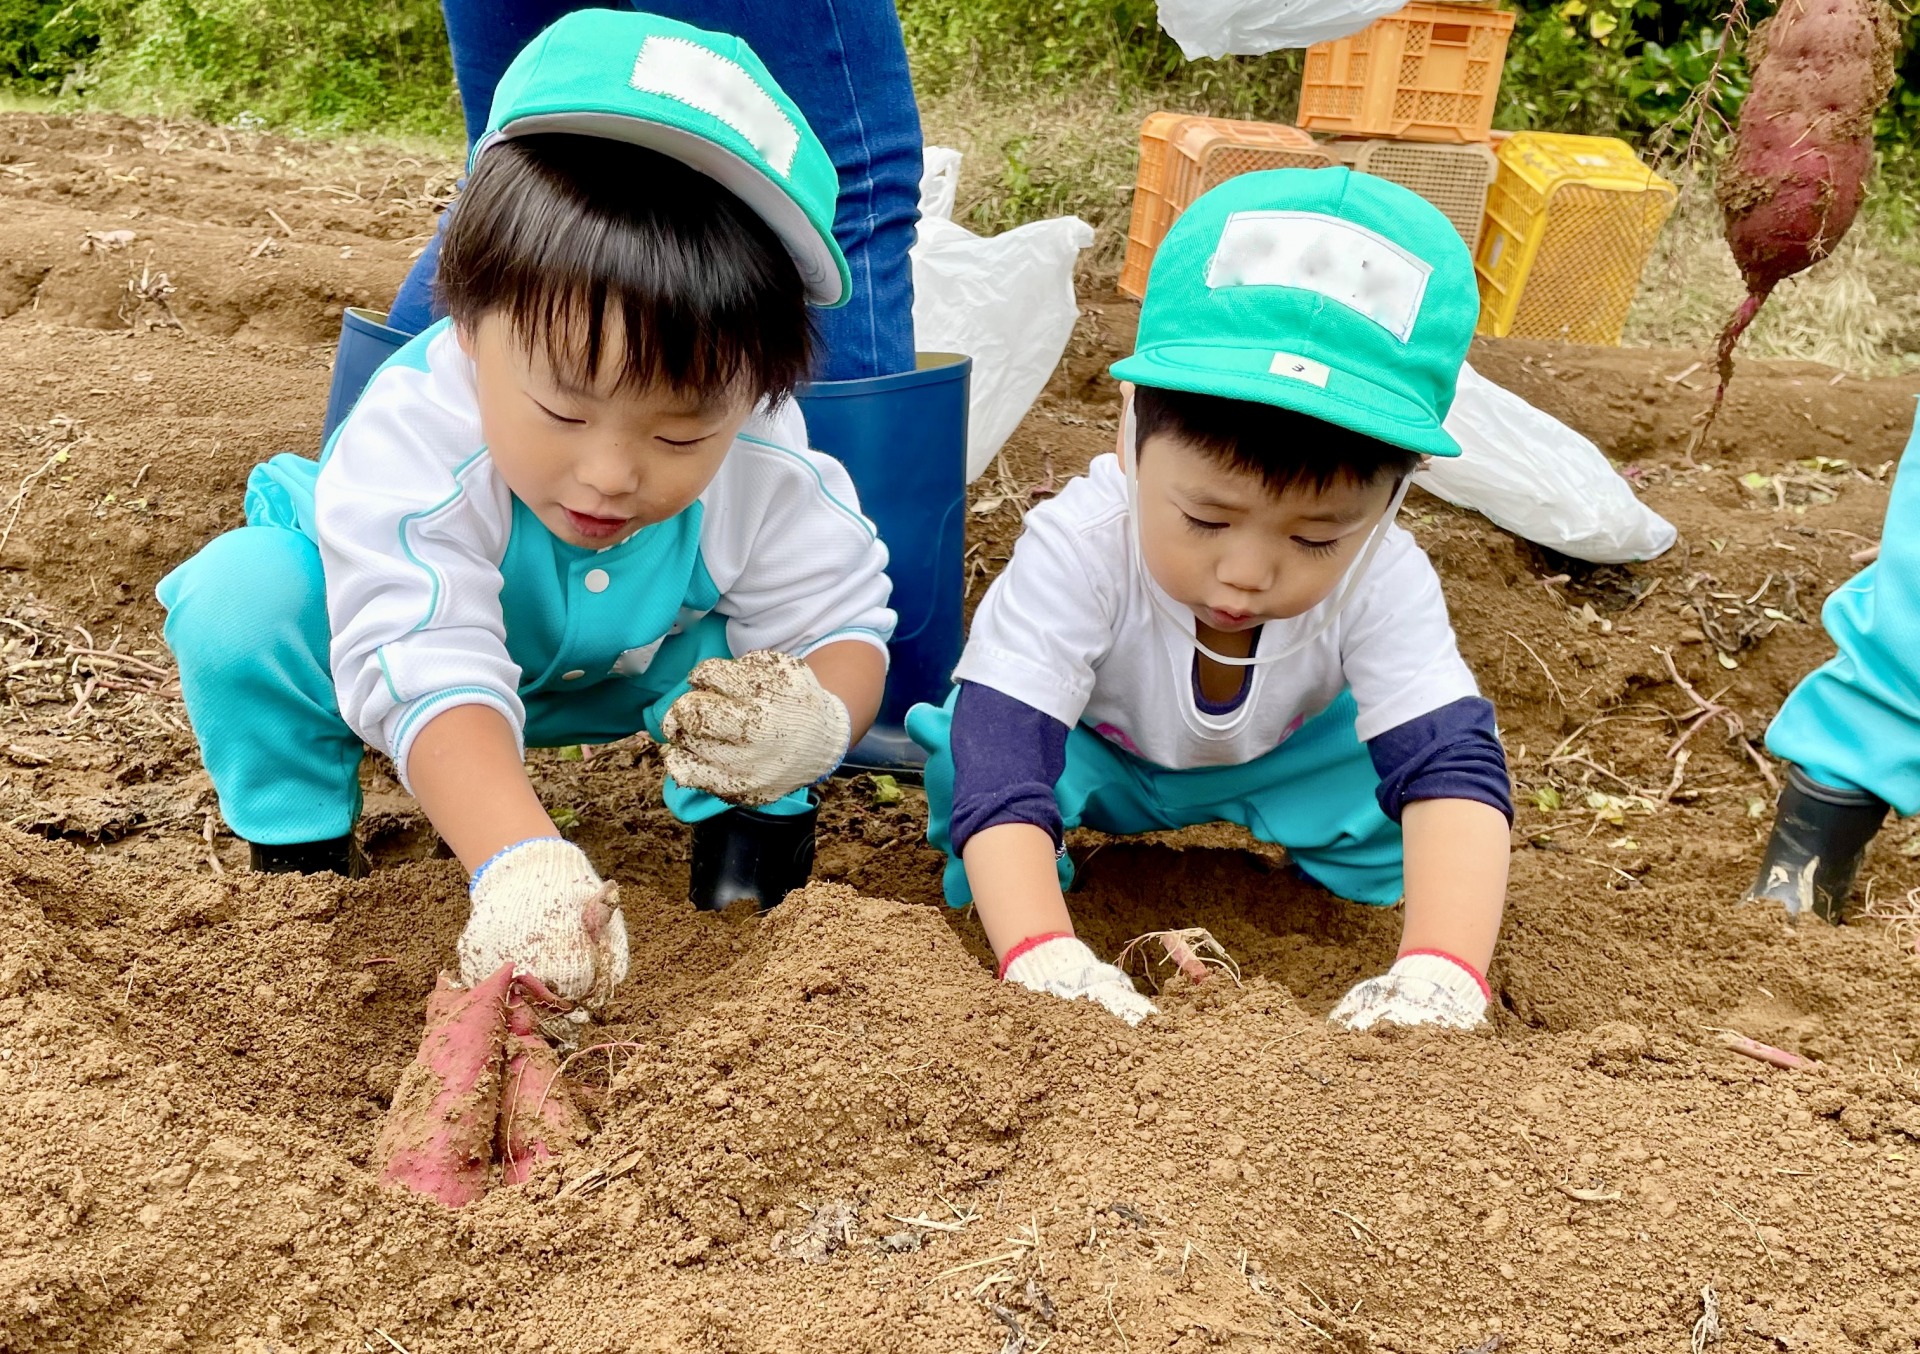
{"x": 445, "y": 590}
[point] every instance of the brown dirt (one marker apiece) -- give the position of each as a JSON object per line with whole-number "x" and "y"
{"x": 830, "y": 1128}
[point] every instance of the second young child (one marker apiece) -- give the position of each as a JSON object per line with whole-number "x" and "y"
{"x": 1223, "y": 623}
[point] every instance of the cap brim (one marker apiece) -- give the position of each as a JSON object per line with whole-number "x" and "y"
{"x": 1347, "y": 401}
{"x": 823, "y": 271}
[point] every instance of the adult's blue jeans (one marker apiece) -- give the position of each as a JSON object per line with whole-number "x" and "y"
{"x": 844, "y": 63}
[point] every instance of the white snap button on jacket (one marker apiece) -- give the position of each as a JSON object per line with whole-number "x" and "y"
{"x": 573, "y": 676}
{"x": 596, "y": 580}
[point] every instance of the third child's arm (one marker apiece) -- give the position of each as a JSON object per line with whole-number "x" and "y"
{"x": 1016, "y": 891}
{"x": 1456, "y": 870}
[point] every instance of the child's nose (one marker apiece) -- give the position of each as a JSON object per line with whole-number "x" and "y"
{"x": 606, "y": 471}
{"x": 1246, "y": 571}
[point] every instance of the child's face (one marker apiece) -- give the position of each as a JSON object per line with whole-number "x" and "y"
{"x": 1224, "y": 545}
{"x": 596, "y": 463}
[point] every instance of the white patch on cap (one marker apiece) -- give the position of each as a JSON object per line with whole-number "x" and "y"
{"x": 703, "y": 79}
{"x": 1300, "y": 369}
{"x": 1361, "y": 269}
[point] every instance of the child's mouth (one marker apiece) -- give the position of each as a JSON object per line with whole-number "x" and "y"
{"x": 594, "y": 528}
{"x": 1228, "y": 620}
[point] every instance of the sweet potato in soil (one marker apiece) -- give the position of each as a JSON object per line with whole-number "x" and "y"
{"x": 439, "y": 1132}
{"x": 538, "y": 1116}
{"x": 1803, "y": 146}
{"x": 485, "y": 1086}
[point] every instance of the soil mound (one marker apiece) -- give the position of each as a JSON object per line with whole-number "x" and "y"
{"x": 829, "y": 1127}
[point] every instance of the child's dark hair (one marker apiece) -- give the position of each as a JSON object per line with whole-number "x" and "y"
{"x": 1285, "y": 449}
{"x": 556, "y": 232}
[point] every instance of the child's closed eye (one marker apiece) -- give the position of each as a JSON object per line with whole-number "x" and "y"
{"x": 1317, "y": 547}
{"x": 557, "y": 418}
{"x": 1203, "y": 527}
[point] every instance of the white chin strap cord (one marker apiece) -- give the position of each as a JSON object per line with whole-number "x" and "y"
{"x": 1184, "y": 621}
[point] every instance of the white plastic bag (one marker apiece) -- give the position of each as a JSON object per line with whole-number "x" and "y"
{"x": 1219, "y": 28}
{"x": 1006, "y": 302}
{"x": 939, "y": 182}
{"x": 1536, "y": 477}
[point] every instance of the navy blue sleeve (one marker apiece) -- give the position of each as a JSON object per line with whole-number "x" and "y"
{"x": 1006, "y": 758}
{"x": 1450, "y": 753}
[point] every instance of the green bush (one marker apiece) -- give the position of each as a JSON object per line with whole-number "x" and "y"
{"x": 1617, "y": 67}
{"x": 349, "y": 65}
{"x": 42, "y": 42}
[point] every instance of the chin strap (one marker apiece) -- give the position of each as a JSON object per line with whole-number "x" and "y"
{"x": 1184, "y": 622}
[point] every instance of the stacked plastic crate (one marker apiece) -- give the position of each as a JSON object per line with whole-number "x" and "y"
{"x": 1561, "y": 226}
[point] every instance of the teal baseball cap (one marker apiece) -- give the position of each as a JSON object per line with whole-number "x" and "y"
{"x": 703, "y": 98}
{"x": 1334, "y": 294}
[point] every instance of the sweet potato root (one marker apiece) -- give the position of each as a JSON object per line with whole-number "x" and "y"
{"x": 1803, "y": 146}
{"x": 538, "y": 1114}
{"x": 438, "y": 1138}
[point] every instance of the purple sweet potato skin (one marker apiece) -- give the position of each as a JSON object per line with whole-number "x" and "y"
{"x": 438, "y": 1138}
{"x": 1801, "y": 153}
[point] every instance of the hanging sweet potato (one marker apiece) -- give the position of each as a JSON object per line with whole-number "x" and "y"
{"x": 1803, "y": 145}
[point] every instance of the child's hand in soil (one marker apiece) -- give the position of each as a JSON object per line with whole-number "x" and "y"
{"x": 542, "y": 907}
{"x": 754, "y": 728}
{"x": 1422, "y": 988}
{"x": 1065, "y": 967}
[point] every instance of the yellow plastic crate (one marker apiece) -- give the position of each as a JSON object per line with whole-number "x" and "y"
{"x": 1453, "y": 178}
{"x": 1183, "y": 156}
{"x": 1570, "y": 222}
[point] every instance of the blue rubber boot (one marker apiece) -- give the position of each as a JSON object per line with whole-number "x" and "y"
{"x": 366, "y": 340}
{"x": 903, "y": 439}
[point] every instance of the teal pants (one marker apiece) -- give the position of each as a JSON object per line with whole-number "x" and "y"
{"x": 1314, "y": 795}
{"x": 247, "y": 623}
{"x": 1854, "y": 722}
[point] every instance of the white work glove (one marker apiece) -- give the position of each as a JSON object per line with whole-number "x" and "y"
{"x": 754, "y": 728}
{"x": 542, "y": 907}
{"x": 1423, "y": 988}
{"x": 1064, "y": 967}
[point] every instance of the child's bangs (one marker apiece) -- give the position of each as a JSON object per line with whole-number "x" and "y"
{"x": 603, "y": 256}
{"x": 591, "y": 332}
{"x": 1286, "y": 450}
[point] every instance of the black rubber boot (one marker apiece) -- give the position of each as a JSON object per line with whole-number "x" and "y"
{"x": 341, "y": 855}
{"x": 744, "y": 853}
{"x": 1820, "y": 835}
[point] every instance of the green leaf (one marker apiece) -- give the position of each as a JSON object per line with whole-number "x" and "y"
{"x": 571, "y": 753}
{"x": 1546, "y": 799}
{"x": 886, "y": 790}
{"x": 1753, "y": 479}
{"x": 566, "y": 817}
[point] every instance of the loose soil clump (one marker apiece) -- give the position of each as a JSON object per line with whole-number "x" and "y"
{"x": 829, "y": 1127}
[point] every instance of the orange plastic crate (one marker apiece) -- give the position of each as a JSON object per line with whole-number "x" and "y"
{"x": 1181, "y": 157}
{"x": 1429, "y": 73}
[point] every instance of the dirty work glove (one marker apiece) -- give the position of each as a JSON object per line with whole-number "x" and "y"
{"x": 1065, "y": 967}
{"x": 541, "y": 906}
{"x": 1424, "y": 987}
{"x": 754, "y": 728}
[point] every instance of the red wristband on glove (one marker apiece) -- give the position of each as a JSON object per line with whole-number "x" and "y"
{"x": 1457, "y": 962}
{"x": 1031, "y": 942}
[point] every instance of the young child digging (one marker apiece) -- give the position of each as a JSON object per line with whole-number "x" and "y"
{"x": 1223, "y": 623}
{"x": 579, "y": 507}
